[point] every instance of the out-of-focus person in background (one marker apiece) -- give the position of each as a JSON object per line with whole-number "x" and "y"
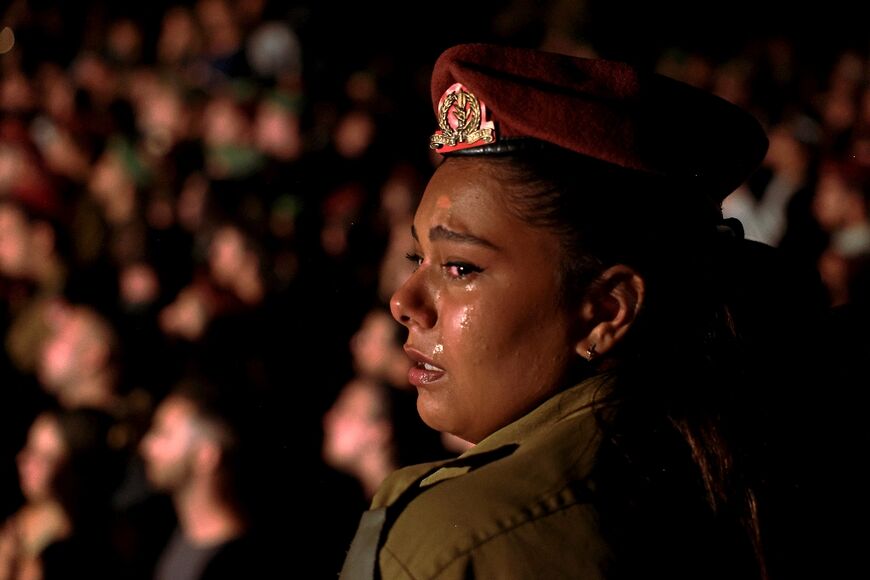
{"x": 377, "y": 349}
{"x": 193, "y": 452}
{"x": 67, "y": 471}
{"x": 78, "y": 364}
{"x": 842, "y": 207}
{"x": 358, "y": 434}
{"x": 774, "y": 206}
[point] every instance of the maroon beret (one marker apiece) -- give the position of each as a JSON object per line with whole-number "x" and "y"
{"x": 490, "y": 99}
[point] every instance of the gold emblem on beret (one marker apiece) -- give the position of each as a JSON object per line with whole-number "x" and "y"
{"x": 463, "y": 121}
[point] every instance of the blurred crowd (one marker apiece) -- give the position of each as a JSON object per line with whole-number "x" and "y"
{"x": 204, "y": 208}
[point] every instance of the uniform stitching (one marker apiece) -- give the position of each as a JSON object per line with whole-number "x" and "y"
{"x": 398, "y": 561}
{"x": 502, "y": 532}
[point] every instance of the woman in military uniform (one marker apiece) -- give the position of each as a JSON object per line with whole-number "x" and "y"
{"x": 575, "y": 314}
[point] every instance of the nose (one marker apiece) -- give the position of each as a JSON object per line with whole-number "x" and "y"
{"x": 412, "y": 304}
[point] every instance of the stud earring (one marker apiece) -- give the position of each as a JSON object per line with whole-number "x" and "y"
{"x": 590, "y": 352}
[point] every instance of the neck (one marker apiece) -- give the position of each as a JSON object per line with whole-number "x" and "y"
{"x": 94, "y": 391}
{"x": 373, "y": 468}
{"x": 205, "y": 517}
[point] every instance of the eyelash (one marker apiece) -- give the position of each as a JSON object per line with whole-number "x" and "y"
{"x": 463, "y": 269}
{"x": 415, "y": 259}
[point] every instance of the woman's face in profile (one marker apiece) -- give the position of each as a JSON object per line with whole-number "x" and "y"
{"x": 487, "y": 329}
{"x": 41, "y": 458}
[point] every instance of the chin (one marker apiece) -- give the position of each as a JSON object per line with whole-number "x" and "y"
{"x": 437, "y": 417}
{"x": 431, "y": 414}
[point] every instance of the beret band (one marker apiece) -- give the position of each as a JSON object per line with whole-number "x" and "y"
{"x": 503, "y": 147}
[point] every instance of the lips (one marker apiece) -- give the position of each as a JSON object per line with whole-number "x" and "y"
{"x": 424, "y": 371}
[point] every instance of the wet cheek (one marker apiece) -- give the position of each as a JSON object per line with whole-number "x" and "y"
{"x": 459, "y": 329}
{"x": 469, "y": 340}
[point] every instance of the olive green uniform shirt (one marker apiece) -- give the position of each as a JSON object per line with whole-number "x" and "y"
{"x": 515, "y": 506}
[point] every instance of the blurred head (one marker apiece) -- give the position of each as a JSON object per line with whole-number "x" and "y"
{"x": 42, "y": 458}
{"x": 276, "y": 130}
{"x": 235, "y": 263}
{"x": 189, "y": 442}
{"x": 15, "y": 240}
{"x": 26, "y": 243}
{"x": 162, "y": 116}
{"x": 341, "y": 209}
{"x": 354, "y": 134}
{"x": 224, "y": 123}
{"x": 179, "y": 36}
{"x": 841, "y": 196}
{"x": 169, "y": 446}
{"x": 221, "y": 33}
{"x": 113, "y": 187}
{"x": 124, "y": 41}
{"x": 68, "y": 458}
{"x": 81, "y": 345}
{"x": 377, "y": 350}
{"x": 227, "y": 254}
{"x": 357, "y": 424}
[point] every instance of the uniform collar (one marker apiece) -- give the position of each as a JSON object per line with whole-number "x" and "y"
{"x": 581, "y": 398}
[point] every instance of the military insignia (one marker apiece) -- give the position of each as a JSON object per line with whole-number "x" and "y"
{"x": 463, "y": 122}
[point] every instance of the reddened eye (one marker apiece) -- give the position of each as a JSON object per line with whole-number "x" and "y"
{"x": 461, "y": 270}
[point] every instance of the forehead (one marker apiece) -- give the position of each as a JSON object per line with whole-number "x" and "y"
{"x": 463, "y": 189}
{"x": 174, "y": 411}
{"x": 45, "y": 434}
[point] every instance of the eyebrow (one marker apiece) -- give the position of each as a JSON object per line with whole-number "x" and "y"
{"x": 442, "y": 233}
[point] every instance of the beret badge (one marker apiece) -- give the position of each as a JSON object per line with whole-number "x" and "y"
{"x": 463, "y": 122}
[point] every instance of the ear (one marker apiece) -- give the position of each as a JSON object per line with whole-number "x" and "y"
{"x": 609, "y": 309}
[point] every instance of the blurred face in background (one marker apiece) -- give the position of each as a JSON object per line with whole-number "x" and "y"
{"x": 41, "y": 458}
{"x": 14, "y": 241}
{"x": 179, "y": 36}
{"x": 276, "y": 131}
{"x": 374, "y": 347}
{"x": 113, "y": 189}
{"x": 227, "y": 255}
{"x": 835, "y": 202}
{"x": 354, "y": 133}
{"x": 224, "y": 123}
{"x": 76, "y": 348}
{"x": 355, "y": 424}
{"x": 168, "y": 447}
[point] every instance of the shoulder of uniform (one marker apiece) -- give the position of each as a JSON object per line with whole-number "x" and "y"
{"x": 400, "y": 481}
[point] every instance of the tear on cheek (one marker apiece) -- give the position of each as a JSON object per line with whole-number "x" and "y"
{"x": 465, "y": 317}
